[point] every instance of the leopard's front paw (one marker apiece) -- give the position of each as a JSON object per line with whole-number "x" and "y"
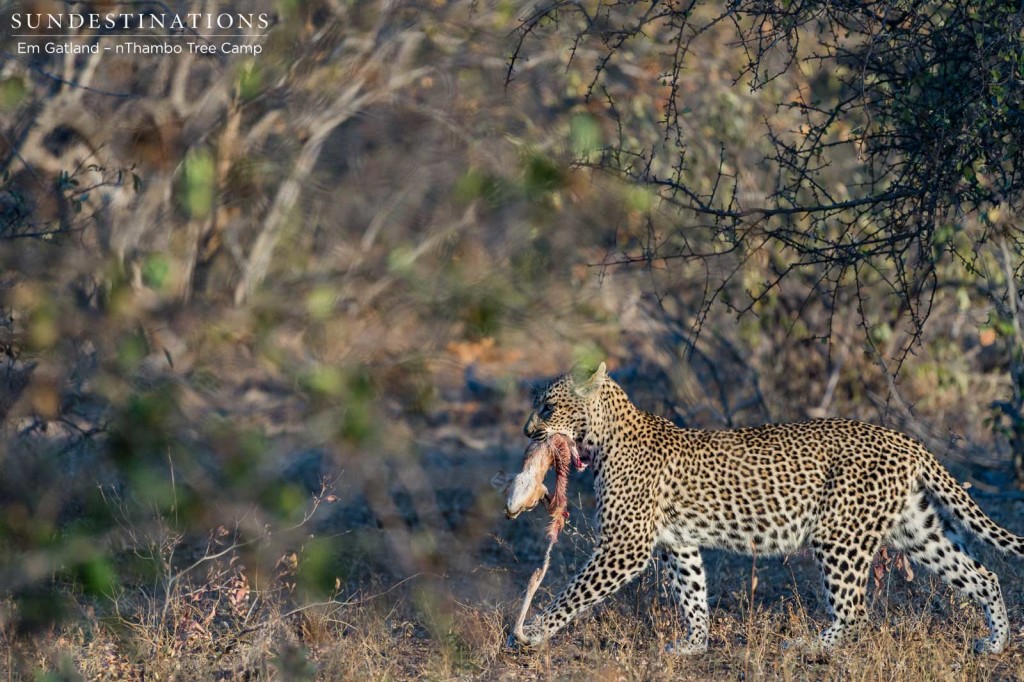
{"x": 692, "y": 647}
{"x": 990, "y": 645}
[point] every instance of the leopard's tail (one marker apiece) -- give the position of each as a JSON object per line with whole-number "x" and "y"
{"x": 945, "y": 490}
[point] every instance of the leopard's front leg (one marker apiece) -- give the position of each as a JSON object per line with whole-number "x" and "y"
{"x": 611, "y": 566}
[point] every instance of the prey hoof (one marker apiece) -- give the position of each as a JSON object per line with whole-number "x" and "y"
{"x": 515, "y": 645}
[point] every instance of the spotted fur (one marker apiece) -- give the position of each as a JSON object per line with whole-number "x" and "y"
{"x": 842, "y": 488}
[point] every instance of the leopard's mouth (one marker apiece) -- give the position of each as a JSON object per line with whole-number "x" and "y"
{"x": 581, "y": 456}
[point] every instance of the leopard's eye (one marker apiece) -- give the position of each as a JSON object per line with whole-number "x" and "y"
{"x": 545, "y": 411}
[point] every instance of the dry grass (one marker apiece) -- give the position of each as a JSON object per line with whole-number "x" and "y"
{"x": 425, "y": 628}
{"x": 245, "y": 616}
{"x": 431, "y": 574}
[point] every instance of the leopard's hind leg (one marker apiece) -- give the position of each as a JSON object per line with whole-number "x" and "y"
{"x": 861, "y": 509}
{"x": 846, "y": 567}
{"x": 920, "y": 532}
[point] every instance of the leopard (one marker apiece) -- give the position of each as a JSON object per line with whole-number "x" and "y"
{"x": 841, "y": 489}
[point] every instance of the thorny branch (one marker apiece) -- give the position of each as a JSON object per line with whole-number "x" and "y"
{"x": 921, "y": 124}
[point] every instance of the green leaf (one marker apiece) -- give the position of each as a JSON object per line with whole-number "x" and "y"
{"x": 543, "y": 175}
{"x": 327, "y": 381}
{"x": 320, "y": 302}
{"x": 318, "y": 566}
{"x": 12, "y": 93}
{"x": 131, "y": 350}
{"x": 250, "y": 80}
{"x": 97, "y": 576}
{"x": 585, "y": 133}
{"x": 200, "y": 183}
{"x": 155, "y": 270}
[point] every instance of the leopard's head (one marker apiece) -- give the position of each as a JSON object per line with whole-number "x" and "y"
{"x": 566, "y": 407}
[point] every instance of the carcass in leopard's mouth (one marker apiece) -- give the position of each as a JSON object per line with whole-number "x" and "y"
{"x": 526, "y": 489}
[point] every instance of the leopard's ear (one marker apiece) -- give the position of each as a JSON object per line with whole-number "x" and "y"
{"x": 594, "y": 383}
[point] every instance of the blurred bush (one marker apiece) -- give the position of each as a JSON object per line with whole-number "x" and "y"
{"x": 268, "y": 326}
